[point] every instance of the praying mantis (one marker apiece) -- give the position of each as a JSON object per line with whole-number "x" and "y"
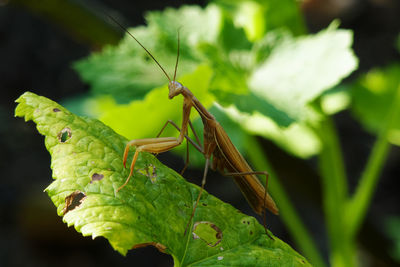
{"x": 216, "y": 144}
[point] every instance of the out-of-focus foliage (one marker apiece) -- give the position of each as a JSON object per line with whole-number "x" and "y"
{"x": 260, "y": 16}
{"x": 126, "y": 72}
{"x": 301, "y": 69}
{"x": 256, "y": 63}
{"x": 296, "y": 72}
{"x": 374, "y": 94}
{"x": 393, "y": 230}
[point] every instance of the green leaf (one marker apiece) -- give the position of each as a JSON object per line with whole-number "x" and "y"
{"x": 374, "y": 94}
{"x": 196, "y": 25}
{"x": 232, "y": 68}
{"x": 392, "y": 229}
{"x": 260, "y": 16}
{"x": 145, "y": 118}
{"x": 126, "y": 72}
{"x": 286, "y": 14}
{"x": 335, "y": 99}
{"x": 295, "y": 73}
{"x": 297, "y": 139}
{"x": 233, "y": 38}
{"x": 155, "y": 206}
{"x": 273, "y": 99}
{"x": 300, "y": 70}
{"x": 128, "y": 119}
{"x": 269, "y": 66}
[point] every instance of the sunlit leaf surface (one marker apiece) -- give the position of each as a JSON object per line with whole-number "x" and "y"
{"x": 155, "y": 206}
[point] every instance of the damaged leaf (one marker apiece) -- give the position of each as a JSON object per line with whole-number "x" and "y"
{"x": 96, "y": 177}
{"x": 88, "y": 170}
{"x": 73, "y": 201}
{"x": 208, "y": 232}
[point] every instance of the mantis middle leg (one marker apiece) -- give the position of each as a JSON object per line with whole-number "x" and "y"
{"x": 196, "y": 143}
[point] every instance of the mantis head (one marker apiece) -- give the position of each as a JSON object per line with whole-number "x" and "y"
{"x": 175, "y": 88}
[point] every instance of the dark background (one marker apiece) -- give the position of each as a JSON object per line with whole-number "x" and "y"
{"x": 36, "y": 52}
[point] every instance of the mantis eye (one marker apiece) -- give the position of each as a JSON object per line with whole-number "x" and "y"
{"x": 177, "y": 85}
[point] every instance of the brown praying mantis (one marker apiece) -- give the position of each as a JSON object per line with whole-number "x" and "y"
{"x": 216, "y": 143}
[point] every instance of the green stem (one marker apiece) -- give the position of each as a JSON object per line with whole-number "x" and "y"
{"x": 287, "y": 212}
{"x": 334, "y": 188}
{"x": 361, "y": 200}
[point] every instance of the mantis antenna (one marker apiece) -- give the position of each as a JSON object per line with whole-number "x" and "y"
{"x": 147, "y": 51}
{"x": 177, "y": 57}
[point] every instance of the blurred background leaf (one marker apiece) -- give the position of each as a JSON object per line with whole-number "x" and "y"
{"x": 300, "y": 70}
{"x": 126, "y": 72}
{"x": 275, "y": 87}
{"x": 261, "y": 16}
{"x": 373, "y": 95}
{"x": 393, "y": 231}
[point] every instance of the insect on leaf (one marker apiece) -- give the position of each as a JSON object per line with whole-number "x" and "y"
{"x": 153, "y": 209}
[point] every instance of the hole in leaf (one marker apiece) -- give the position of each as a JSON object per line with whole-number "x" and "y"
{"x": 73, "y": 201}
{"x": 208, "y": 232}
{"x": 96, "y": 177}
{"x": 204, "y": 204}
{"x": 64, "y": 135}
{"x": 149, "y": 171}
{"x": 159, "y": 246}
{"x": 56, "y": 109}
